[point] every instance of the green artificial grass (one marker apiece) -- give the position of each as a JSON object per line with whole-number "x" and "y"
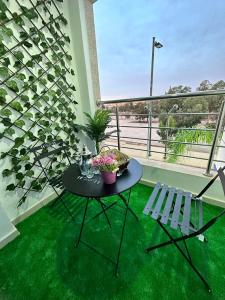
{"x": 42, "y": 262}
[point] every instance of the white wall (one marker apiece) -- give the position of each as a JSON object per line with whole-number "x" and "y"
{"x": 84, "y": 52}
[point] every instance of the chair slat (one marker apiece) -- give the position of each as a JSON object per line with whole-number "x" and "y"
{"x": 150, "y": 202}
{"x": 56, "y": 181}
{"x": 167, "y": 208}
{"x": 176, "y": 211}
{"x": 200, "y": 208}
{"x": 185, "y": 226}
{"x": 47, "y": 145}
{"x": 162, "y": 197}
{"x": 49, "y": 153}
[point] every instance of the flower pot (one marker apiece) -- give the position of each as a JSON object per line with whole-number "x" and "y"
{"x": 109, "y": 177}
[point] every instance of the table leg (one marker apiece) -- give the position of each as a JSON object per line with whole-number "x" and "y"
{"x": 82, "y": 224}
{"x": 122, "y": 233}
{"x": 103, "y": 210}
{"x": 126, "y": 203}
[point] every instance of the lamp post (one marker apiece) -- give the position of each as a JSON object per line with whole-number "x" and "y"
{"x": 158, "y": 45}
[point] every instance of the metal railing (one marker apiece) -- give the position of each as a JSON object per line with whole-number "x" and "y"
{"x": 154, "y": 145}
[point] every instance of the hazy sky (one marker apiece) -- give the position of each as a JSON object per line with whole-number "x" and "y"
{"x": 192, "y": 32}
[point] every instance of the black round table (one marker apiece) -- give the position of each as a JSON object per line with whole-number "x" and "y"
{"x": 95, "y": 188}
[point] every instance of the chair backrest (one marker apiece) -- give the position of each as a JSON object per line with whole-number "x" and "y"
{"x": 51, "y": 151}
{"x": 220, "y": 174}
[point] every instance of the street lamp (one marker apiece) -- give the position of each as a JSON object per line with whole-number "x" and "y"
{"x": 158, "y": 45}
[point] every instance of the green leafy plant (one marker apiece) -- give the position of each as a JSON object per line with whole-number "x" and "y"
{"x": 11, "y": 187}
{"x": 3, "y": 9}
{"x": 4, "y": 72}
{"x": 34, "y": 88}
{"x": 21, "y": 76}
{"x": 9, "y": 131}
{"x": 24, "y": 35}
{"x": 96, "y": 127}
{"x": 50, "y": 77}
{"x": 7, "y": 31}
{"x": 19, "y": 123}
{"x": 34, "y": 92}
{"x": 69, "y": 57}
{"x": 6, "y": 122}
{"x": 17, "y": 106}
{"x": 6, "y": 61}
{"x": 30, "y": 63}
{"x": 6, "y": 112}
{"x": 12, "y": 84}
{"x": 28, "y": 115}
{"x": 3, "y": 94}
{"x": 24, "y": 98}
{"x": 7, "y": 173}
{"x": 178, "y": 147}
{"x": 37, "y": 57}
{"x": 63, "y": 20}
{"x": 29, "y": 13}
{"x": 19, "y": 55}
{"x": 17, "y": 64}
{"x": 18, "y": 142}
{"x": 18, "y": 19}
{"x": 27, "y": 44}
{"x": 2, "y": 49}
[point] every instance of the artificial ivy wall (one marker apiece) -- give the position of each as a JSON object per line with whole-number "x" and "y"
{"x": 36, "y": 89}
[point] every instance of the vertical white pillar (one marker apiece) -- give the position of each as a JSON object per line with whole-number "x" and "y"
{"x": 83, "y": 49}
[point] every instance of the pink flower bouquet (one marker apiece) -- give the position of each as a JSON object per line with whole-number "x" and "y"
{"x": 105, "y": 163}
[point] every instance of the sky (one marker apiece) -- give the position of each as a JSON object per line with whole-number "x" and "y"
{"x": 192, "y": 33}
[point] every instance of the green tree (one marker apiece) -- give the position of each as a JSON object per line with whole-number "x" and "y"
{"x": 185, "y": 105}
{"x": 205, "y": 85}
{"x": 216, "y": 101}
{"x": 141, "y": 111}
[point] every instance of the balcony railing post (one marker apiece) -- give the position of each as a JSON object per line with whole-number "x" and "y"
{"x": 149, "y": 138}
{"x": 167, "y": 137}
{"x": 118, "y": 127}
{"x": 215, "y": 139}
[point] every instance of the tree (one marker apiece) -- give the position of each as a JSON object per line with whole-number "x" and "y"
{"x": 214, "y": 102}
{"x": 205, "y": 85}
{"x": 180, "y": 89}
{"x": 141, "y": 111}
{"x": 185, "y": 105}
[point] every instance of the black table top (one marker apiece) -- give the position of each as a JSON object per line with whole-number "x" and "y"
{"x": 77, "y": 184}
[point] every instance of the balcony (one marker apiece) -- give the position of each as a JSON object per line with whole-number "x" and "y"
{"x": 42, "y": 260}
{"x": 49, "y": 79}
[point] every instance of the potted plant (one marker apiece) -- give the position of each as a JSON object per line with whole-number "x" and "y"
{"x": 96, "y": 127}
{"x": 121, "y": 158}
{"x": 108, "y": 167}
